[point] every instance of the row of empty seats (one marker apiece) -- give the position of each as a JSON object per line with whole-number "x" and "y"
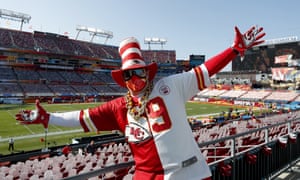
{"x": 252, "y": 95}
{"x": 59, "y": 76}
{"x": 217, "y": 151}
{"x": 30, "y": 89}
{"x": 72, "y": 164}
{"x": 30, "y": 82}
{"x": 59, "y": 44}
{"x": 53, "y": 43}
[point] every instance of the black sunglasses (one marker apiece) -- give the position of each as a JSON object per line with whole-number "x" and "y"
{"x": 138, "y": 72}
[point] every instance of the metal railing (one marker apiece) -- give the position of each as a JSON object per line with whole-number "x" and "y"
{"x": 237, "y": 164}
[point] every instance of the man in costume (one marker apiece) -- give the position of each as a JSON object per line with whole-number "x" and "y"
{"x": 152, "y": 116}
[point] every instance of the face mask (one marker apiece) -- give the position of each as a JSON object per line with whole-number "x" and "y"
{"x": 136, "y": 84}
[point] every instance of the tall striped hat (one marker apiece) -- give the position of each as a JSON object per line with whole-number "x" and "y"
{"x": 131, "y": 56}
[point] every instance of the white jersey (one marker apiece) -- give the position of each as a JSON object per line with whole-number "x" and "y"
{"x": 174, "y": 91}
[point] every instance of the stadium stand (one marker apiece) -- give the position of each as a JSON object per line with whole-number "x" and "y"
{"x": 42, "y": 64}
{"x": 255, "y": 95}
{"x": 7, "y": 73}
{"x": 286, "y": 96}
{"x": 5, "y": 38}
{"x": 213, "y": 93}
{"x": 233, "y": 94}
{"x": 51, "y": 76}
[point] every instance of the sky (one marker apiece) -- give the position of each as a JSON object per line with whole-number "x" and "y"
{"x": 199, "y": 27}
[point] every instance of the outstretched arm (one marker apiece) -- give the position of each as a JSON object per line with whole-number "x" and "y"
{"x": 92, "y": 119}
{"x": 241, "y": 43}
{"x": 41, "y": 116}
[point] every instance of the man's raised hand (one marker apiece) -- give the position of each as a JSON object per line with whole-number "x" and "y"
{"x": 37, "y": 116}
{"x": 250, "y": 38}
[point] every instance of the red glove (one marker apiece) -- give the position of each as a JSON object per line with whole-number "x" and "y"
{"x": 37, "y": 116}
{"x": 252, "y": 37}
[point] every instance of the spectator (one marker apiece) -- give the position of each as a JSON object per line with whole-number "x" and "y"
{"x": 11, "y": 145}
{"x": 152, "y": 116}
{"x": 66, "y": 150}
{"x": 90, "y": 148}
{"x": 80, "y": 152}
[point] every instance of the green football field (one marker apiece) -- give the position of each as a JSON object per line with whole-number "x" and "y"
{"x": 29, "y": 137}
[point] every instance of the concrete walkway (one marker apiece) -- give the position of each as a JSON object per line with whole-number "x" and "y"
{"x": 292, "y": 173}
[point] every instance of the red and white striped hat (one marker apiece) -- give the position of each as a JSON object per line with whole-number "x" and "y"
{"x": 131, "y": 56}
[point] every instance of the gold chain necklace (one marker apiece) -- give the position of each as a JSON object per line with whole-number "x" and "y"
{"x": 137, "y": 111}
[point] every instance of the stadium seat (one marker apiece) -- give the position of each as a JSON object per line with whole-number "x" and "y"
{"x": 72, "y": 172}
{"x": 267, "y": 150}
{"x": 14, "y": 173}
{"x": 251, "y": 158}
{"x": 225, "y": 169}
{"x": 110, "y": 160}
{"x": 23, "y": 174}
{"x": 48, "y": 175}
{"x": 9, "y": 177}
{"x": 95, "y": 178}
{"x": 34, "y": 177}
{"x": 292, "y": 137}
{"x": 121, "y": 173}
{"x": 109, "y": 176}
{"x": 232, "y": 130}
{"x": 128, "y": 176}
{"x": 282, "y": 142}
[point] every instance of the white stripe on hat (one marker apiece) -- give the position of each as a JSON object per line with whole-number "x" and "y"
{"x": 129, "y": 51}
{"x": 127, "y": 41}
{"x": 131, "y": 62}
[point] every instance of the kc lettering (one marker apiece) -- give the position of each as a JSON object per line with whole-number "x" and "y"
{"x": 136, "y": 133}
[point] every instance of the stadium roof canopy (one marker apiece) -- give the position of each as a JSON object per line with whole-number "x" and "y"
{"x": 95, "y": 32}
{"x": 15, "y": 16}
{"x": 155, "y": 40}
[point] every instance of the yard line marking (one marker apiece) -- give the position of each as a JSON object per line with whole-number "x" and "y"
{"x": 26, "y": 127}
{"x": 56, "y": 127}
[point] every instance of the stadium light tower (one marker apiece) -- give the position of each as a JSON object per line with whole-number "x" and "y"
{"x": 15, "y": 16}
{"x": 95, "y": 32}
{"x": 149, "y": 41}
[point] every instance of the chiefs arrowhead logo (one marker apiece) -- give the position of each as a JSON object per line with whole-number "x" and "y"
{"x": 136, "y": 133}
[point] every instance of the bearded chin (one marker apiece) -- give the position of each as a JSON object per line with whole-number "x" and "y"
{"x": 136, "y": 84}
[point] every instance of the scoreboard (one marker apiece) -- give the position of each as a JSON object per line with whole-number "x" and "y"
{"x": 263, "y": 58}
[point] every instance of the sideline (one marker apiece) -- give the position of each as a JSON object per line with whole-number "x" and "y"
{"x": 41, "y": 135}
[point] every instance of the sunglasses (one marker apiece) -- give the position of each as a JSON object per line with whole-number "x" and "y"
{"x": 138, "y": 72}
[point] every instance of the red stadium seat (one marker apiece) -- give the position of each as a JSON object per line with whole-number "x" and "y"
{"x": 225, "y": 169}
{"x": 251, "y": 158}
{"x": 267, "y": 150}
{"x": 121, "y": 173}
